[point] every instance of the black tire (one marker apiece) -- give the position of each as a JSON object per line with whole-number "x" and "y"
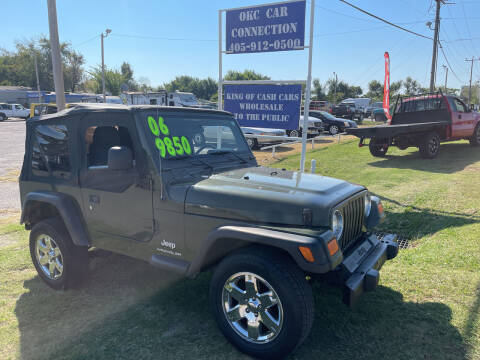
{"x": 475, "y": 139}
{"x": 3, "y": 117}
{"x": 430, "y": 146}
{"x": 252, "y": 143}
{"x": 360, "y": 119}
{"x": 294, "y": 133}
{"x": 379, "y": 147}
{"x": 289, "y": 284}
{"x": 333, "y": 129}
{"x": 74, "y": 258}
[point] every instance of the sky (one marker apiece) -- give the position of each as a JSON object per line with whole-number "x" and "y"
{"x": 163, "y": 39}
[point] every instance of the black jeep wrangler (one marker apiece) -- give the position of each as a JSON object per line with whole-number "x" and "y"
{"x": 180, "y": 188}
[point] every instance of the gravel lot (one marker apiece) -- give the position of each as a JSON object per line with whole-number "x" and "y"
{"x": 12, "y": 143}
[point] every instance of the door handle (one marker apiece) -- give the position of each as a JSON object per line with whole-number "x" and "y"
{"x": 94, "y": 199}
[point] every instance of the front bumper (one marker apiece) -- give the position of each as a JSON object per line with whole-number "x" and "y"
{"x": 360, "y": 268}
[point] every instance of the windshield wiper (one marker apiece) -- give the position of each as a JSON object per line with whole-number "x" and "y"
{"x": 223, "y": 152}
{"x": 192, "y": 159}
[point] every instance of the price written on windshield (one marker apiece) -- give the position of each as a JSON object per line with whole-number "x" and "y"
{"x": 173, "y": 145}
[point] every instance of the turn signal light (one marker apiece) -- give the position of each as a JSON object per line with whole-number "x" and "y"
{"x": 380, "y": 208}
{"x": 332, "y": 246}
{"x": 306, "y": 253}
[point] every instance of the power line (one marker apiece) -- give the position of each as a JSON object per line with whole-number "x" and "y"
{"x": 160, "y": 38}
{"x": 448, "y": 63}
{"x": 386, "y": 21}
{"x": 86, "y": 41}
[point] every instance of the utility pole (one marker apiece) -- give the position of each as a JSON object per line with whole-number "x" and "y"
{"x": 56, "y": 59}
{"x": 36, "y": 74}
{"x": 446, "y": 77}
{"x": 102, "y": 35}
{"x": 472, "y": 60}
{"x": 335, "y": 89}
{"x": 435, "y": 46}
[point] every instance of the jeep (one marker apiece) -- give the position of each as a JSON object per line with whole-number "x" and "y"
{"x": 180, "y": 189}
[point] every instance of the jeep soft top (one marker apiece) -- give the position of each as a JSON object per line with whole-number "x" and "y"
{"x": 180, "y": 188}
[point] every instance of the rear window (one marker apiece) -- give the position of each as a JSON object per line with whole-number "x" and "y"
{"x": 422, "y": 104}
{"x": 50, "y": 151}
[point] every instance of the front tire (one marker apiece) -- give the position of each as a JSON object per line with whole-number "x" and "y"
{"x": 430, "y": 146}
{"x": 3, "y": 117}
{"x": 59, "y": 263}
{"x": 333, "y": 130}
{"x": 262, "y": 302}
{"x": 475, "y": 139}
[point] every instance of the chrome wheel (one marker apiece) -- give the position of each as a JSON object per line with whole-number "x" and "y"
{"x": 333, "y": 130}
{"x": 252, "y": 307}
{"x": 294, "y": 133}
{"x": 49, "y": 256}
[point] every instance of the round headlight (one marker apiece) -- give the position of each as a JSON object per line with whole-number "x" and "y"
{"x": 337, "y": 224}
{"x": 368, "y": 204}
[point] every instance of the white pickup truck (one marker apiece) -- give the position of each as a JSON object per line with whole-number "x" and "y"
{"x": 13, "y": 110}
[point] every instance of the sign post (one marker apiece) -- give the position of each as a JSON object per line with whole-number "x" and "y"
{"x": 266, "y": 28}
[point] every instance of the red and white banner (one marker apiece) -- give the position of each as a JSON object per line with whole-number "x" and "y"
{"x": 386, "y": 87}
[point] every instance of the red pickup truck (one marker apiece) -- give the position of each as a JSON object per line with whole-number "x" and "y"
{"x": 423, "y": 121}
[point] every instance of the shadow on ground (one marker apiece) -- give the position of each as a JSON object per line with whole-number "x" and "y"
{"x": 129, "y": 310}
{"x": 453, "y": 157}
{"x": 415, "y": 221}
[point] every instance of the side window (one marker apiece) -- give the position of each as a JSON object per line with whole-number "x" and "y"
{"x": 460, "y": 106}
{"x": 99, "y": 140}
{"x": 50, "y": 151}
{"x": 18, "y": 107}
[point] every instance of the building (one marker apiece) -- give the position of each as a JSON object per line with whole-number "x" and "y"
{"x": 15, "y": 95}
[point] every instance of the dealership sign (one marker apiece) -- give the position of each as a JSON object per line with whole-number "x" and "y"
{"x": 265, "y": 28}
{"x": 264, "y": 106}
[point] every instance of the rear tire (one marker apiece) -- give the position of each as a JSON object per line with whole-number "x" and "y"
{"x": 379, "y": 147}
{"x": 59, "y": 262}
{"x": 475, "y": 139}
{"x": 430, "y": 146}
{"x": 3, "y": 117}
{"x": 250, "y": 320}
{"x": 294, "y": 133}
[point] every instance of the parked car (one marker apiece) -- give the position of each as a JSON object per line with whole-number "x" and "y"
{"x": 146, "y": 182}
{"x": 423, "y": 121}
{"x": 347, "y": 110}
{"x": 255, "y": 142}
{"x": 37, "y": 109}
{"x": 13, "y": 110}
{"x": 315, "y": 127}
{"x": 373, "y": 106}
{"x": 333, "y": 124}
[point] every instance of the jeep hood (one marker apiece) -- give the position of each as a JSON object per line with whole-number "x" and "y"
{"x": 268, "y": 195}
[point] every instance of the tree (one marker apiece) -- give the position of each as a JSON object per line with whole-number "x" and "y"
{"x": 244, "y": 75}
{"x": 113, "y": 80}
{"x": 375, "y": 90}
{"x": 318, "y": 90}
{"x": 411, "y": 86}
{"x": 344, "y": 90}
{"x": 18, "y": 67}
{"x": 127, "y": 73}
{"x": 202, "y": 88}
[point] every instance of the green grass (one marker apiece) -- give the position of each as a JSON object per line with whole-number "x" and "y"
{"x": 426, "y": 307}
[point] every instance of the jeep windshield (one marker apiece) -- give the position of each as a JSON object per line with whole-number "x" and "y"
{"x": 199, "y": 137}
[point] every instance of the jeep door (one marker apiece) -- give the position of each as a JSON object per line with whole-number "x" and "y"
{"x": 117, "y": 203}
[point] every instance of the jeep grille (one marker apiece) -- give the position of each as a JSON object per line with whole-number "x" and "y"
{"x": 353, "y": 211}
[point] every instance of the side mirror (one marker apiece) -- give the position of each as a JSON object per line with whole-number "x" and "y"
{"x": 120, "y": 158}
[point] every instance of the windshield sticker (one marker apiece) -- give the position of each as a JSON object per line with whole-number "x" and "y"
{"x": 173, "y": 145}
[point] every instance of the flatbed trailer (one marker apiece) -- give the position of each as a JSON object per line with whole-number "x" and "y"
{"x": 422, "y": 121}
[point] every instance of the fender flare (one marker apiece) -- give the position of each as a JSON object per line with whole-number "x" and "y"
{"x": 282, "y": 240}
{"x": 68, "y": 209}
